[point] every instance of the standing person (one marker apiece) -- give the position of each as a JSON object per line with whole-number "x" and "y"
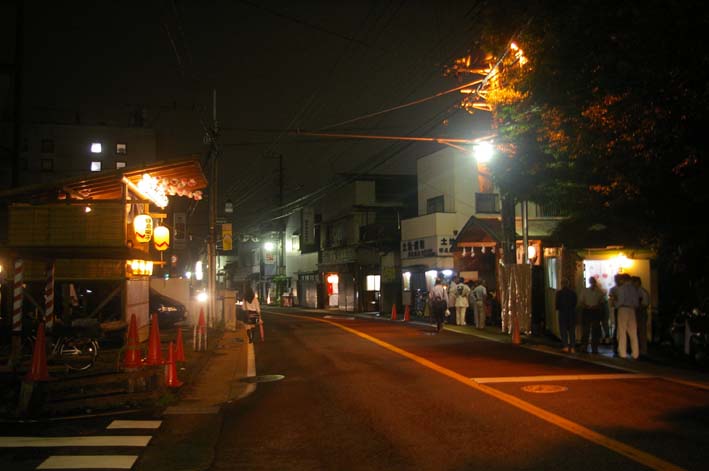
{"x": 438, "y": 296}
{"x": 613, "y": 308}
{"x": 628, "y": 299}
{"x": 461, "y": 301}
{"x": 566, "y": 300}
{"x": 452, "y": 287}
{"x": 641, "y": 314}
{"x": 479, "y": 294}
{"x": 591, "y": 302}
{"x": 252, "y": 309}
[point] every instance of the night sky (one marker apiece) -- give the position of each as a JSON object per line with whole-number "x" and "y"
{"x": 275, "y": 66}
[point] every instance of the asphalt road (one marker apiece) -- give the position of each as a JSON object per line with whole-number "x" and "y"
{"x": 366, "y": 394}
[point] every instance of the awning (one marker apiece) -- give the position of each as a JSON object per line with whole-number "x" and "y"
{"x": 477, "y": 231}
{"x": 107, "y": 185}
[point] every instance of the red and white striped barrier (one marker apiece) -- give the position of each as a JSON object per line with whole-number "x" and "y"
{"x": 49, "y": 297}
{"x": 17, "y": 297}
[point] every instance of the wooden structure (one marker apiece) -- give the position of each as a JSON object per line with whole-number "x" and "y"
{"x": 84, "y": 227}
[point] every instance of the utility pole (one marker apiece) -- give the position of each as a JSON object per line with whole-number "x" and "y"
{"x": 213, "y": 135}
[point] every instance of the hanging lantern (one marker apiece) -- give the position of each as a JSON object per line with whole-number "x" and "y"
{"x": 143, "y": 228}
{"x": 161, "y": 238}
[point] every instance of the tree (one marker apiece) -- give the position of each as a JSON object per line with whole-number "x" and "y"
{"x": 606, "y": 120}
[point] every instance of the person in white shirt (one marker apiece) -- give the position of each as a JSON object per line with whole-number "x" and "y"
{"x": 461, "y": 301}
{"x": 252, "y": 310}
{"x": 628, "y": 300}
{"x": 591, "y": 302}
{"x": 437, "y": 297}
{"x": 479, "y": 295}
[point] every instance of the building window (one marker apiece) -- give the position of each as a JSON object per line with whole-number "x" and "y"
{"x": 121, "y": 149}
{"x": 95, "y": 166}
{"x": 295, "y": 243}
{"x": 47, "y": 146}
{"x": 120, "y": 164}
{"x": 96, "y": 148}
{"x": 373, "y": 282}
{"x": 47, "y": 165}
{"x": 435, "y": 205}
{"x": 406, "y": 279}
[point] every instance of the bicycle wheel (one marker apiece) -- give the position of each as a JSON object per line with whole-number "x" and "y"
{"x": 77, "y": 354}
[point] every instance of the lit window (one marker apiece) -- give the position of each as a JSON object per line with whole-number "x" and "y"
{"x": 96, "y": 148}
{"x": 121, "y": 149}
{"x": 373, "y": 282}
{"x": 120, "y": 164}
{"x": 95, "y": 166}
{"x": 295, "y": 243}
{"x": 47, "y": 165}
{"x": 406, "y": 277}
{"x": 47, "y": 146}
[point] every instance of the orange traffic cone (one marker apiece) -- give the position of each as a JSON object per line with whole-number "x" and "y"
{"x": 179, "y": 348}
{"x": 515, "y": 330}
{"x": 393, "y": 312}
{"x": 407, "y": 313}
{"x": 39, "y": 372}
{"x": 171, "y": 369}
{"x": 154, "y": 350}
{"x": 131, "y": 359}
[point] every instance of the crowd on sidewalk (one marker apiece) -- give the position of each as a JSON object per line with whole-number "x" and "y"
{"x": 464, "y": 303}
{"x": 617, "y": 317}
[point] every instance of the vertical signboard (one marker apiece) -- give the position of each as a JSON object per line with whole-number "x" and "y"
{"x": 308, "y": 226}
{"x": 180, "y": 232}
{"x": 226, "y": 237}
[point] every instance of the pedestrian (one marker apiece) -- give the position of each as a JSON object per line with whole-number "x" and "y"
{"x": 566, "y": 301}
{"x": 591, "y": 301}
{"x": 438, "y": 296}
{"x": 628, "y": 300}
{"x": 461, "y": 301}
{"x": 252, "y": 310}
{"x": 479, "y": 295}
{"x": 641, "y": 314}
{"x": 613, "y": 308}
{"x": 452, "y": 287}
{"x": 469, "y": 314}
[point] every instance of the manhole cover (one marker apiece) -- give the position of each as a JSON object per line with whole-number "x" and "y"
{"x": 262, "y": 379}
{"x": 544, "y": 388}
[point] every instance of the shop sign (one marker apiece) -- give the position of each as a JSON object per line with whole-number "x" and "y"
{"x": 427, "y": 247}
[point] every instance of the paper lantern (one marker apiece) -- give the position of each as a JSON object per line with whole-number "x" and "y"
{"x": 161, "y": 238}
{"x": 143, "y": 228}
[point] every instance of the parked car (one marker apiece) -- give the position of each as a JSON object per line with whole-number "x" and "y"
{"x": 169, "y": 311}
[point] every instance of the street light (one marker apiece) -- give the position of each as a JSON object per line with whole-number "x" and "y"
{"x": 268, "y": 246}
{"x": 483, "y": 151}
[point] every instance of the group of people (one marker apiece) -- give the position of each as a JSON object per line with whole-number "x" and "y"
{"x": 460, "y": 298}
{"x": 623, "y": 310}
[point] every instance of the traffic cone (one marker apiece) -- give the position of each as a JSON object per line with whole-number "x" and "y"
{"x": 393, "y": 312}
{"x": 171, "y": 380}
{"x": 131, "y": 359}
{"x": 179, "y": 348}
{"x": 39, "y": 372}
{"x": 154, "y": 350}
{"x": 407, "y": 313}
{"x": 515, "y": 330}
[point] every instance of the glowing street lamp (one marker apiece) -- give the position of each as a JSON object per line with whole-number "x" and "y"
{"x": 268, "y": 246}
{"x": 483, "y": 151}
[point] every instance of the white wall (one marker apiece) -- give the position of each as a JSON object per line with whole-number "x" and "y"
{"x": 451, "y": 173}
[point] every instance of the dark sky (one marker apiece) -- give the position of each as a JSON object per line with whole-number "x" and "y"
{"x": 275, "y": 66}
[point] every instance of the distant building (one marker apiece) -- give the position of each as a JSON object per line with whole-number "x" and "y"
{"x": 51, "y": 152}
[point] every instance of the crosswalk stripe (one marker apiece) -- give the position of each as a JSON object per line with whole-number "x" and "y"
{"x": 45, "y": 442}
{"x": 89, "y": 462}
{"x": 120, "y": 424}
{"x": 527, "y": 379}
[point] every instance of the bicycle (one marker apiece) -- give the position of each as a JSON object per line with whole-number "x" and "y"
{"x": 75, "y": 346}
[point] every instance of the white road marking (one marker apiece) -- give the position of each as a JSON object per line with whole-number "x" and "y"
{"x": 89, "y": 462}
{"x": 152, "y": 424}
{"x": 528, "y": 379}
{"x": 45, "y": 442}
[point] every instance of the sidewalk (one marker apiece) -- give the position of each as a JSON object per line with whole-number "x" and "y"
{"x": 191, "y": 427}
{"x": 652, "y": 364}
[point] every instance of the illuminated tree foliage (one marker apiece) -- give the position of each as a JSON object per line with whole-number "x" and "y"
{"x": 607, "y": 120}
